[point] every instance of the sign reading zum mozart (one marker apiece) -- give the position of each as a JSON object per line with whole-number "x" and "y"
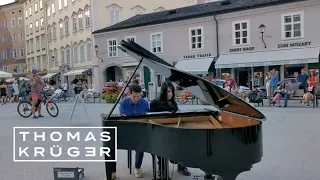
{"x": 295, "y": 44}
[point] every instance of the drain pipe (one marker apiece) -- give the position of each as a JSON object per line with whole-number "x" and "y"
{"x": 218, "y": 72}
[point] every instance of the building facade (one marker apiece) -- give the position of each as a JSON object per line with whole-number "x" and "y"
{"x": 35, "y": 35}
{"x": 290, "y": 41}
{"x": 227, "y": 33}
{"x": 12, "y": 44}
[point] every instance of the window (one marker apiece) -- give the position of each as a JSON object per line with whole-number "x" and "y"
{"x": 60, "y": 4}
{"x": 75, "y": 53}
{"x": 196, "y": 38}
{"x": 156, "y": 42}
{"x": 114, "y": 15}
{"x": 44, "y": 62}
{"x": 137, "y": 10}
{"x": 54, "y": 32}
{"x": 89, "y": 51}
{"x": 80, "y": 21}
{"x": 20, "y": 36}
{"x": 61, "y": 29}
{"x": 65, "y": 3}
{"x": 68, "y": 56}
{"x": 53, "y": 9}
{"x": 5, "y": 24}
{"x": 22, "y": 69}
{"x": 30, "y": 11}
{"x": 38, "y": 43}
{"x": 21, "y": 52}
{"x": 27, "y": 30}
{"x": 35, "y": 7}
{"x": 130, "y": 38}
{"x": 43, "y": 42}
{"x": 74, "y": 23}
{"x": 31, "y": 29}
{"x": 28, "y": 47}
{"x": 87, "y": 16}
{"x": 5, "y": 68}
{"x": 4, "y": 54}
{"x": 14, "y": 53}
{"x": 66, "y": 26}
{"x": 14, "y": 37}
{"x": 82, "y": 58}
{"x": 40, "y": 4}
{"x": 38, "y": 62}
{"x": 31, "y": 46}
{"x": 4, "y": 38}
{"x": 112, "y": 48}
{"x": 240, "y": 33}
{"x": 13, "y": 22}
{"x": 56, "y": 62}
{"x": 49, "y": 34}
{"x": 26, "y": 12}
{"x": 20, "y": 21}
{"x": 62, "y": 56}
{"x": 292, "y": 25}
{"x": 41, "y": 23}
{"x": 37, "y": 25}
{"x": 48, "y": 11}
{"x": 16, "y": 69}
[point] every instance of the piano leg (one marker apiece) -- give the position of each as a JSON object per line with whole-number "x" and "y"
{"x": 167, "y": 168}
{"x": 109, "y": 168}
{"x": 154, "y": 166}
{"x": 130, "y": 160}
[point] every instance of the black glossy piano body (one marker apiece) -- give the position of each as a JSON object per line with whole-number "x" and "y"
{"x": 225, "y": 141}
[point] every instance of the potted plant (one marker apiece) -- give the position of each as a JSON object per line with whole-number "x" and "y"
{"x": 112, "y": 92}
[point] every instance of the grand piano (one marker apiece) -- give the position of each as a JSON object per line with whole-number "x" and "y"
{"x": 224, "y": 139}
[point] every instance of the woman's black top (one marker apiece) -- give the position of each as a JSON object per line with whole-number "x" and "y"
{"x": 160, "y": 106}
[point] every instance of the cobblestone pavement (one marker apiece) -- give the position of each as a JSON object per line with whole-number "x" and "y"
{"x": 291, "y": 145}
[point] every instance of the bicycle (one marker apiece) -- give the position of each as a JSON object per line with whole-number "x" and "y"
{"x": 64, "y": 96}
{"x": 27, "y": 106}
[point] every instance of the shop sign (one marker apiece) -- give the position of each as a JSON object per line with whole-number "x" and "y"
{"x": 242, "y": 49}
{"x": 295, "y": 44}
{"x": 197, "y": 56}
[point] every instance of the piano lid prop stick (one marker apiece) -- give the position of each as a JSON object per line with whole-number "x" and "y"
{"x": 179, "y": 122}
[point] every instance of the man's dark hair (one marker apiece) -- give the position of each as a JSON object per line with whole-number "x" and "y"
{"x": 135, "y": 81}
{"x": 135, "y": 88}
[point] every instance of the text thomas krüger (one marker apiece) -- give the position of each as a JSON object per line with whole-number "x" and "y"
{"x": 57, "y": 151}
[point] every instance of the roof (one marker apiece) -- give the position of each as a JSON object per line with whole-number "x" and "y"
{"x": 191, "y": 12}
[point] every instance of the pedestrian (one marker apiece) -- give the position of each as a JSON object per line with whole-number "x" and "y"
{"x": 23, "y": 89}
{"x": 166, "y": 102}
{"x": 302, "y": 80}
{"x": 134, "y": 105}
{"x": 15, "y": 92}
{"x": 37, "y": 84}
{"x": 274, "y": 79}
{"x": 267, "y": 79}
{"x": 3, "y": 92}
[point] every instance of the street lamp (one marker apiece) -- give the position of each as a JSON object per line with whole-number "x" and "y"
{"x": 262, "y": 29}
{"x": 96, "y": 48}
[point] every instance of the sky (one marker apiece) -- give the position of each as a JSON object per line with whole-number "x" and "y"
{"x": 2, "y": 2}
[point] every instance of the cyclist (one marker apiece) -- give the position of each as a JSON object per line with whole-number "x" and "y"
{"x": 37, "y": 84}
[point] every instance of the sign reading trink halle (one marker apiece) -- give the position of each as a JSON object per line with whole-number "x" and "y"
{"x": 65, "y": 144}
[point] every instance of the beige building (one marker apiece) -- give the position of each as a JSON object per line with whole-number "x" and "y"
{"x": 12, "y": 46}
{"x": 35, "y": 38}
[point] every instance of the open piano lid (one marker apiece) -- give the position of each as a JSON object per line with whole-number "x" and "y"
{"x": 198, "y": 86}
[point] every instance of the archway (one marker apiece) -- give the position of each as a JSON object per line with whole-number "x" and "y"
{"x": 113, "y": 73}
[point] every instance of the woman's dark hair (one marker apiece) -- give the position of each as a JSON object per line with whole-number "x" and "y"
{"x": 135, "y": 88}
{"x": 52, "y": 82}
{"x": 135, "y": 81}
{"x": 164, "y": 93}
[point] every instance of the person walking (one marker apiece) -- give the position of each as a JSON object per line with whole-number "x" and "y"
{"x": 3, "y": 92}
{"x": 15, "y": 92}
{"x": 302, "y": 80}
{"x": 267, "y": 79}
{"x": 274, "y": 79}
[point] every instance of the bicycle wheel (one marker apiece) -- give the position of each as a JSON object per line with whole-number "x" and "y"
{"x": 26, "y": 109}
{"x": 52, "y": 106}
{"x": 66, "y": 96}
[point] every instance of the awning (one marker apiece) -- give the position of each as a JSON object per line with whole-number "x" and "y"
{"x": 269, "y": 58}
{"x": 75, "y": 72}
{"x": 50, "y": 75}
{"x": 195, "y": 66}
{"x": 5, "y": 74}
{"x": 130, "y": 64}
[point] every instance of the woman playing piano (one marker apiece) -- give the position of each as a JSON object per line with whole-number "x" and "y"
{"x": 166, "y": 102}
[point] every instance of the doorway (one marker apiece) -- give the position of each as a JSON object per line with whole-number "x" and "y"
{"x": 243, "y": 77}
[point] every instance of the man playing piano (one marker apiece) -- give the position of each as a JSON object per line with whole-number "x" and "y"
{"x": 134, "y": 105}
{"x": 166, "y": 102}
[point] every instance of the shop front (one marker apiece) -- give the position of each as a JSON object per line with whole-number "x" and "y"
{"x": 249, "y": 69}
{"x": 80, "y": 74}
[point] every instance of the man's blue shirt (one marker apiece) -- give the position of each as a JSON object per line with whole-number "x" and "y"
{"x": 274, "y": 80}
{"x": 303, "y": 79}
{"x": 129, "y": 108}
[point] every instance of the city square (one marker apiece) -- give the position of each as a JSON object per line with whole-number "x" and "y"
{"x": 290, "y": 144}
